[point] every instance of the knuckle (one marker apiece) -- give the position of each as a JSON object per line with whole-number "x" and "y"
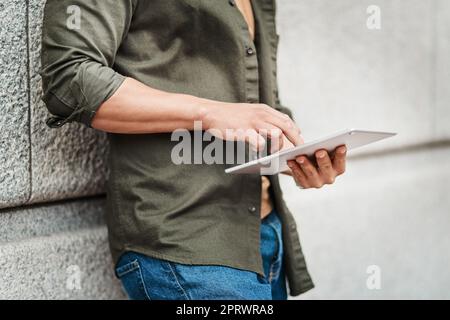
{"x": 264, "y": 107}
{"x": 258, "y": 107}
{"x": 301, "y": 184}
{"x": 290, "y": 123}
{"x": 330, "y": 180}
{"x": 276, "y": 132}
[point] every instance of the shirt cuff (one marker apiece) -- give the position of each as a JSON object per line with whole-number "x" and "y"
{"x": 91, "y": 92}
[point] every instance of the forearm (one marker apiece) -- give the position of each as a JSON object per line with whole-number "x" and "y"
{"x": 136, "y": 108}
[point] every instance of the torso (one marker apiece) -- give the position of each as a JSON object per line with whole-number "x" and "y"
{"x": 245, "y": 6}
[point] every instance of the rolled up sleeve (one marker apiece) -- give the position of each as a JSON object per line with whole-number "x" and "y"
{"x": 79, "y": 43}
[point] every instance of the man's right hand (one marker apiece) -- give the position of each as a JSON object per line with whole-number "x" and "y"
{"x": 136, "y": 108}
{"x": 252, "y": 123}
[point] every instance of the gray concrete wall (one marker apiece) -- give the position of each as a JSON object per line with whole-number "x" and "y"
{"x": 56, "y": 251}
{"x": 390, "y": 210}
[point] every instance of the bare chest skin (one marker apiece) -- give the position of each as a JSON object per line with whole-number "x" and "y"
{"x": 245, "y": 6}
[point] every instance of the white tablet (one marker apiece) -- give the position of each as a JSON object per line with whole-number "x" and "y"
{"x": 277, "y": 162}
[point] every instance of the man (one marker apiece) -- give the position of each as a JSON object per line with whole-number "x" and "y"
{"x": 140, "y": 69}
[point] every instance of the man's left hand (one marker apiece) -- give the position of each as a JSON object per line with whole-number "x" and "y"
{"x": 325, "y": 171}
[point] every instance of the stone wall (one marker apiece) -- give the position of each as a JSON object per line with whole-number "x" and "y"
{"x": 390, "y": 210}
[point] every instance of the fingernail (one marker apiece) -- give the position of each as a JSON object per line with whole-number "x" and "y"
{"x": 343, "y": 150}
{"x": 301, "y": 160}
{"x": 321, "y": 154}
{"x": 290, "y": 165}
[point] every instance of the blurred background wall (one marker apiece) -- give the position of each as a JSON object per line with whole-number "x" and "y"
{"x": 388, "y": 217}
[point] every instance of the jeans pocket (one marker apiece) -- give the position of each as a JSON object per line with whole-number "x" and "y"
{"x": 130, "y": 274}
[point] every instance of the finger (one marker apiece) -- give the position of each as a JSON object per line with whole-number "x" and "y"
{"x": 302, "y": 141}
{"x": 326, "y": 169}
{"x": 274, "y": 135}
{"x": 256, "y": 141}
{"x": 310, "y": 172}
{"x": 286, "y": 143}
{"x": 286, "y": 124}
{"x": 289, "y": 128}
{"x": 339, "y": 161}
{"x": 274, "y": 112}
{"x": 288, "y": 172}
{"x": 298, "y": 174}
{"x": 276, "y": 143}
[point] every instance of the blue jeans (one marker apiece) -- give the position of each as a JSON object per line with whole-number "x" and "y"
{"x": 146, "y": 278}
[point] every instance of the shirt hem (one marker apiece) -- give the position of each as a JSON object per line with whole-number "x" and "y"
{"x": 305, "y": 287}
{"x": 188, "y": 261}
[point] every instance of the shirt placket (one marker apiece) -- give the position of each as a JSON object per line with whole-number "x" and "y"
{"x": 250, "y": 58}
{"x": 252, "y": 95}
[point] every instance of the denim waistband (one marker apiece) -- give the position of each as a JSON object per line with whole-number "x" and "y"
{"x": 272, "y": 217}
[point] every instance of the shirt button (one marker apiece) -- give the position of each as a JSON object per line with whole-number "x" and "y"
{"x": 250, "y": 51}
{"x": 54, "y": 122}
{"x": 252, "y": 209}
{"x": 231, "y": 2}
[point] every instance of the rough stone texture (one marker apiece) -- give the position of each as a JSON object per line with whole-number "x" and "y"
{"x": 44, "y": 220}
{"x": 336, "y": 73}
{"x": 390, "y": 211}
{"x": 68, "y": 162}
{"x": 14, "y": 142}
{"x": 43, "y": 249}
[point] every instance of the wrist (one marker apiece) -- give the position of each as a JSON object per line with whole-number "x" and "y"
{"x": 206, "y": 112}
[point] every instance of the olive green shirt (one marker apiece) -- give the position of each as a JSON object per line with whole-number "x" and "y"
{"x": 192, "y": 214}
